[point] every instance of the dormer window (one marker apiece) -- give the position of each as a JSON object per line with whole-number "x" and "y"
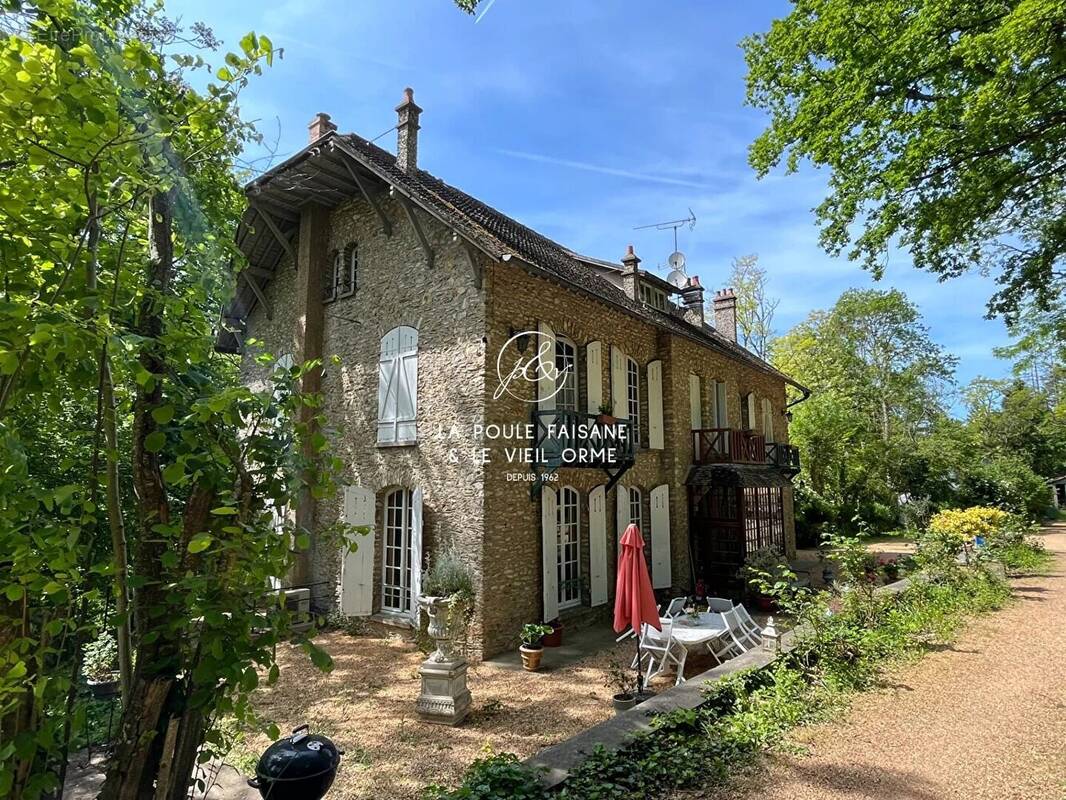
{"x": 653, "y": 296}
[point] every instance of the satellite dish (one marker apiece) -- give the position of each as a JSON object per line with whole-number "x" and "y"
{"x": 677, "y": 278}
{"x": 677, "y": 261}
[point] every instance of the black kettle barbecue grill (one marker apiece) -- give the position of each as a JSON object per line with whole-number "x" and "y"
{"x": 298, "y": 767}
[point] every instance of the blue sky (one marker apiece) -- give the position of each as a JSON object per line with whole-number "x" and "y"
{"x": 583, "y": 120}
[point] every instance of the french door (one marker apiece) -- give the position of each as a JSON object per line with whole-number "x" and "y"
{"x": 568, "y": 556}
{"x": 402, "y": 552}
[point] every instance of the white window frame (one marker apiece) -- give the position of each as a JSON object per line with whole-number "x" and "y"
{"x": 636, "y": 509}
{"x": 566, "y": 398}
{"x": 347, "y": 270}
{"x": 633, "y": 398}
{"x": 397, "y": 383}
{"x": 397, "y": 554}
{"x": 568, "y": 547}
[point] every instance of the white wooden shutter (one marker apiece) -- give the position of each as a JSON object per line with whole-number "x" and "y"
{"x": 767, "y": 419}
{"x": 416, "y": 551}
{"x": 660, "y": 537}
{"x": 594, "y": 373}
{"x": 694, "y": 405}
{"x": 398, "y": 386}
{"x": 656, "y": 440}
{"x": 388, "y": 385}
{"x": 598, "y": 545}
{"x": 721, "y": 406}
{"x": 357, "y": 567}
{"x": 621, "y": 496}
{"x": 549, "y": 533}
{"x": 546, "y": 382}
{"x": 619, "y": 396}
{"x": 751, "y": 410}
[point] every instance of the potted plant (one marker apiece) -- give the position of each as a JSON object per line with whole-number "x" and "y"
{"x": 101, "y": 666}
{"x": 620, "y": 677}
{"x": 532, "y": 647}
{"x": 605, "y": 415}
{"x": 448, "y": 600}
{"x": 764, "y": 568}
{"x": 555, "y": 637}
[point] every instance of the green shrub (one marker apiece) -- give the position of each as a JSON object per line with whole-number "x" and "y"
{"x": 495, "y": 777}
{"x": 1005, "y": 482}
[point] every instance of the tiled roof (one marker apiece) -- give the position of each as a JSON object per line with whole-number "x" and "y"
{"x": 499, "y": 235}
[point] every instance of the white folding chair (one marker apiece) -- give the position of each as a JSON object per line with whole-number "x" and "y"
{"x": 661, "y": 651}
{"x": 676, "y": 608}
{"x": 728, "y": 645}
{"x": 626, "y": 634}
{"x": 718, "y": 604}
{"x": 752, "y": 631}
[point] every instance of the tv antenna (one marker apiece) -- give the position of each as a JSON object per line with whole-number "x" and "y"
{"x": 677, "y": 275}
{"x": 690, "y": 220}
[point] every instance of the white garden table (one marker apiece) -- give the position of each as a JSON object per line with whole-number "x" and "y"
{"x": 694, "y": 634}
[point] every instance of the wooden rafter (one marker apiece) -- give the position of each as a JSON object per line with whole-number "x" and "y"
{"x": 370, "y": 199}
{"x": 475, "y": 266}
{"x": 257, "y": 290}
{"x": 278, "y": 210}
{"x": 409, "y": 209}
{"x": 274, "y": 229}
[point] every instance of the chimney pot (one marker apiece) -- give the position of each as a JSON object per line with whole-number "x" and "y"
{"x": 630, "y": 275}
{"x": 692, "y": 302}
{"x": 407, "y": 132}
{"x": 319, "y": 127}
{"x": 725, "y": 313}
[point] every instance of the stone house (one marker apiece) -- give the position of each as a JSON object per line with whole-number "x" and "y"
{"x": 630, "y": 407}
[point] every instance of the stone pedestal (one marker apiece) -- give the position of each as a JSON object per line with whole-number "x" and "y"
{"x": 444, "y": 699}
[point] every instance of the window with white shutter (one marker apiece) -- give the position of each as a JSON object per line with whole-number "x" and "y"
{"x": 398, "y": 387}
{"x": 695, "y": 410}
{"x": 566, "y": 381}
{"x": 656, "y": 434}
{"x": 633, "y": 398}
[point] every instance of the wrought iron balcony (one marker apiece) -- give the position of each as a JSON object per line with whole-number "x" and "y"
{"x": 577, "y": 439}
{"x": 731, "y": 446}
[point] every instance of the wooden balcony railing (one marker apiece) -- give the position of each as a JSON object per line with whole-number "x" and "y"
{"x": 730, "y": 446}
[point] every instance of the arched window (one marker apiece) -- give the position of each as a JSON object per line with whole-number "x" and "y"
{"x": 569, "y": 548}
{"x": 398, "y": 387}
{"x": 397, "y": 555}
{"x": 633, "y": 398}
{"x": 566, "y": 363}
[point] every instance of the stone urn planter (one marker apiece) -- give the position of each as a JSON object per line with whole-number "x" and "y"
{"x": 441, "y": 626}
{"x": 445, "y": 698}
{"x": 623, "y": 702}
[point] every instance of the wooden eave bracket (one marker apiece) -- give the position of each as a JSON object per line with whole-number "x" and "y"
{"x": 257, "y": 290}
{"x": 475, "y": 265}
{"x": 370, "y": 199}
{"x": 410, "y": 211}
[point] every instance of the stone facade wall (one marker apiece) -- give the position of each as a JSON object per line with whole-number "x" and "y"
{"x": 395, "y": 287}
{"x": 512, "y": 548}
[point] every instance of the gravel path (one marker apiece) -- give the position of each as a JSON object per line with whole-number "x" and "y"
{"x": 984, "y": 719}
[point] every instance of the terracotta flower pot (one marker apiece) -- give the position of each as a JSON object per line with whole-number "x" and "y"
{"x": 555, "y": 638}
{"x": 531, "y": 657}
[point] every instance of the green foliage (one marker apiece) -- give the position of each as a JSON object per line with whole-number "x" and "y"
{"x": 1005, "y": 481}
{"x": 941, "y": 123}
{"x": 533, "y": 632}
{"x": 495, "y": 777}
{"x": 449, "y": 576}
{"x": 100, "y": 662}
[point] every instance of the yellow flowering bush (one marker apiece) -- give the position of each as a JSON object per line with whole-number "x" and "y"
{"x": 965, "y": 524}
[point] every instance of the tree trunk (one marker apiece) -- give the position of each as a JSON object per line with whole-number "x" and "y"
{"x": 133, "y": 769}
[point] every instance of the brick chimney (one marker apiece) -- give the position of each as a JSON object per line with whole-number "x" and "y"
{"x": 319, "y": 127}
{"x": 407, "y": 132}
{"x": 692, "y": 302}
{"x": 630, "y": 278}
{"x": 725, "y": 313}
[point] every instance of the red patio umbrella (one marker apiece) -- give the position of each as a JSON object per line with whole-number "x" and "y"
{"x": 634, "y": 599}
